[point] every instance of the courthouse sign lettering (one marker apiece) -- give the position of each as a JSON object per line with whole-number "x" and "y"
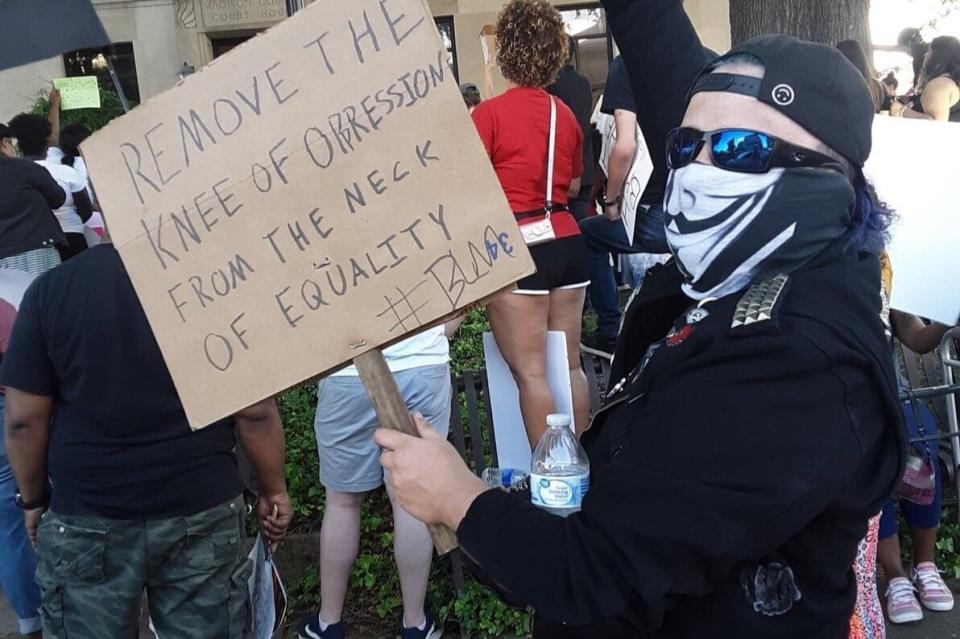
{"x": 230, "y": 14}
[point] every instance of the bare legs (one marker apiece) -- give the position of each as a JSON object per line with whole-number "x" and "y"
{"x": 340, "y": 543}
{"x": 519, "y": 324}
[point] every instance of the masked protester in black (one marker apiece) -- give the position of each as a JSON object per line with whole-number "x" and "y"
{"x": 751, "y": 429}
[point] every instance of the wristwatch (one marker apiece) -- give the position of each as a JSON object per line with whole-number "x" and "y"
{"x": 42, "y": 502}
{"x": 616, "y": 202}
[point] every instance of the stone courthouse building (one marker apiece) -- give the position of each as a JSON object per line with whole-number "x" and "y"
{"x": 156, "y": 41}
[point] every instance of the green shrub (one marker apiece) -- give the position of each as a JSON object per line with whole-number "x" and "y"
{"x": 297, "y": 407}
{"x": 466, "y": 349}
{"x": 482, "y": 614}
{"x": 948, "y": 544}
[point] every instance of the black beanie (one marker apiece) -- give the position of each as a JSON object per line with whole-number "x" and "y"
{"x": 815, "y": 86}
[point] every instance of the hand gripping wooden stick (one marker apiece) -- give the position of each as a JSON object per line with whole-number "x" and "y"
{"x": 392, "y": 412}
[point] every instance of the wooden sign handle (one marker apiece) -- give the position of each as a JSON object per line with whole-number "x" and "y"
{"x": 392, "y": 412}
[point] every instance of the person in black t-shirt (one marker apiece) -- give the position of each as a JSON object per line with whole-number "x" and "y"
{"x": 605, "y": 233}
{"x": 137, "y": 501}
{"x": 575, "y": 91}
{"x": 912, "y": 40}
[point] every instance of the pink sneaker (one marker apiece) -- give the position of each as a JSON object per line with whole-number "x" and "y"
{"x": 902, "y": 604}
{"x": 934, "y": 593}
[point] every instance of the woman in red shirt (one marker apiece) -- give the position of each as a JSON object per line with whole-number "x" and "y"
{"x": 515, "y": 129}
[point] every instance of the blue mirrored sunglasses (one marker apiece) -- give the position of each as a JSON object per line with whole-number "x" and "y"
{"x": 741, "y": 150}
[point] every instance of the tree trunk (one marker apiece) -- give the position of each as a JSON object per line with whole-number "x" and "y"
{"x": 826, "y": 21}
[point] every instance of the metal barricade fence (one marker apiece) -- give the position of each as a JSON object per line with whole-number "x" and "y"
{"x": 950, "y": 365}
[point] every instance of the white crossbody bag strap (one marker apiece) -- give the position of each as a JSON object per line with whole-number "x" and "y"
{"x": 541, "y": 231}
{"x": 551, "y": 148}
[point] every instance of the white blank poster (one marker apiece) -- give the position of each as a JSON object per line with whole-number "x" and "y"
{"x": 914, "y": 171}
{"x": 513, "y": 449}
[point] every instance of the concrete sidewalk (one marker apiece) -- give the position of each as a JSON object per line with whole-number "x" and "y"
{"x": 8, "y": 620}
{"x": 936, "y": 625}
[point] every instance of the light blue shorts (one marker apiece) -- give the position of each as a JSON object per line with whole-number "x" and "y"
{"x": 345, "y": 421}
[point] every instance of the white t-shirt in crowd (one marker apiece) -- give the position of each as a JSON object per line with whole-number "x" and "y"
{"x": 70, "y": 181}
{"x": 428, "y": 348}
{"x": 55, "y": 155}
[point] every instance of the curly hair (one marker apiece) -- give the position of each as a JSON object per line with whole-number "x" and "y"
{"x": 532, "y": 43}
{"x": 32, "y": 132}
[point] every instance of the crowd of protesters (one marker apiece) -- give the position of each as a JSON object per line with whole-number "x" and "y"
{"x": 744, "y": 467}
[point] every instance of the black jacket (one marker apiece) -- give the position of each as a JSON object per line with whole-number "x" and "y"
{"x": 28, "y": 196}
{"x": 733, "y": 469}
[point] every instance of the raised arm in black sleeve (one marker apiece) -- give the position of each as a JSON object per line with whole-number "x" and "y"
{"x": 40, "y": 179}
{"x": 618, "y": 94}
{"x": 81, "y": 199}
{"x": 663, "y": 55}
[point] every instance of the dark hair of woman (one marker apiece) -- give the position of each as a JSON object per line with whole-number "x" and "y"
{"x": 70, "y": 138}
{"x": 944, "y": 59}
{"x": 32, "y": 132}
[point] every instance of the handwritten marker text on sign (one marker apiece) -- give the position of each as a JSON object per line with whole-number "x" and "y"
{"x": 336, "y": 195}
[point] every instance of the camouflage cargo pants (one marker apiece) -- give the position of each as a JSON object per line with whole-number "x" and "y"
{"x": 93, "y": 573}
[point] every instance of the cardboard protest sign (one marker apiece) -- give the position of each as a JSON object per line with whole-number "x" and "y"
{"x": 636, "y": 184}
{"x": 925, "y": 234}
{"x": 81, "y": 92}
{"x": 316, "y": 193}
{"x": 488, "y": 42}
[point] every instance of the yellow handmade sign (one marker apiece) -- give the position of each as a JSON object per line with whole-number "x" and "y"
{"x": 81, "y": 92}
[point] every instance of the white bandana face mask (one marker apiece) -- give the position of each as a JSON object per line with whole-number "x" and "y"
{"x": 725, "y": 227}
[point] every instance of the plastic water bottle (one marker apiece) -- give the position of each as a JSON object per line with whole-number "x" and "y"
{"x": 509, "y": 478}
{"x": 560, "y": 471}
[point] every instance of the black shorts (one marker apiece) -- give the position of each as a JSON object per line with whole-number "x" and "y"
{"x": 561, "y": 264}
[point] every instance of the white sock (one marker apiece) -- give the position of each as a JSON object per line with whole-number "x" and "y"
{"x": 323, "y": 624}
{"x": 423, "y": 626}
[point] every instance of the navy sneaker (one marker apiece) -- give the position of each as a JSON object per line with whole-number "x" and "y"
{"x": 309, "y": 628}
{"x": 430, "y": 630}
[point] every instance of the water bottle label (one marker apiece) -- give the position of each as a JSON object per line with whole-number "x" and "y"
{"x": 558, "y": 492}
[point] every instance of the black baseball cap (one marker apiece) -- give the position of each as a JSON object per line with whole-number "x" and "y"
{"x": 812, "y": 84}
